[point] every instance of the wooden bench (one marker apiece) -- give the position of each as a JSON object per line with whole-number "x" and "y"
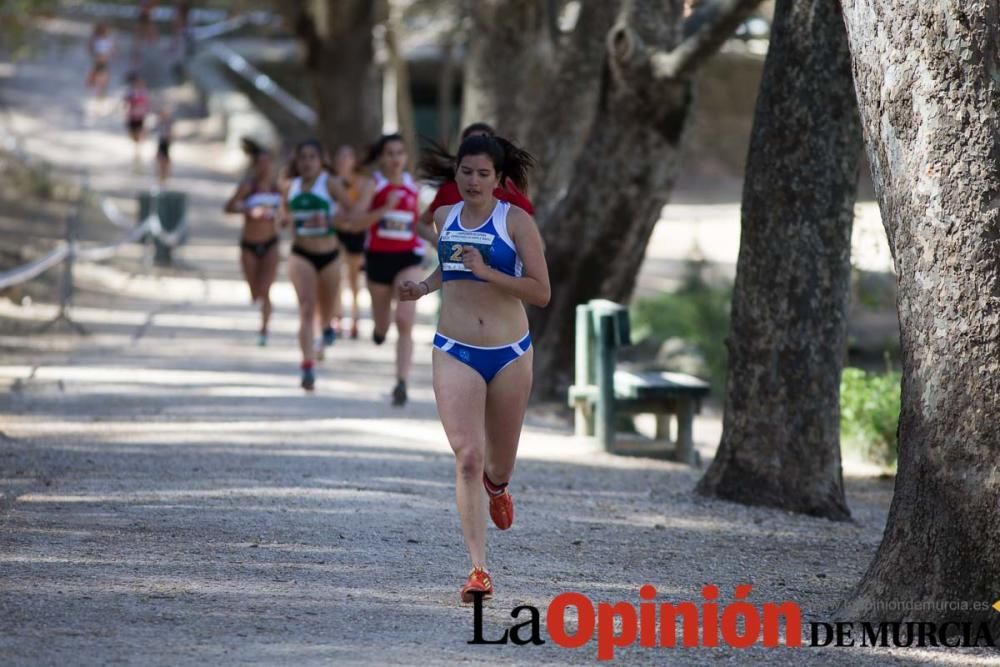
{"x": 601, "y": 392}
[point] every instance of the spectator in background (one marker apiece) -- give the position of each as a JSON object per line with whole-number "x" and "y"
{"x": 145, "y": 35}
{"x": 102, "y": 48}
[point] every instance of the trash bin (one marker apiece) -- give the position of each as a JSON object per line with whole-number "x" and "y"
{"x": 171, "y": 209}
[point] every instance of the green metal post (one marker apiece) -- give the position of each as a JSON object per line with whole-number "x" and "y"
{"x": 583, "y": 416}
{"x": 605, "y": 417}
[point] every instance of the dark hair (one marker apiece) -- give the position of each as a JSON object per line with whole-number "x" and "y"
{"x": 293, "y": 169}
{"x": 252, "y": 149}
{"x": 477, "y": 128}
{"x": 437, "y": 164}
{"x": 375, "y": 152}
{"x": 132, "y": 77}
{"x": 510, "y": 162}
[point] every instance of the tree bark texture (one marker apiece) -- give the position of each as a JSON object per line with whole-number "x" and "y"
{"x": 788, "y": 334}
{"x": 606, "y": 124}
{"x": 401, "y": 73}
{"x": 927, "y": 76}
{"x": 339, "y": 61}
{"x": 597, "y": 233}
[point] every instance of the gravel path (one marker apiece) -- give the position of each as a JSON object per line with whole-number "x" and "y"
{"x": 170, "y": 497}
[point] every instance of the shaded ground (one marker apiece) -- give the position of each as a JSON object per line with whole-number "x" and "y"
{"x": 171, "y": 497}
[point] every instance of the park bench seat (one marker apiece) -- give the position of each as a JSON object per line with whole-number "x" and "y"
{"x": 602, "y": 391}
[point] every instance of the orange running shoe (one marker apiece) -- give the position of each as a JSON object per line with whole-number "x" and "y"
{"x": 478, "y": 581}
{"x": 502, "y": 510}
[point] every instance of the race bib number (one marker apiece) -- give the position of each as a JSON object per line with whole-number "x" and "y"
{"x": 311, "y": 223}
{"x": 453, "y": 244}
{"x": 396, "y": 225}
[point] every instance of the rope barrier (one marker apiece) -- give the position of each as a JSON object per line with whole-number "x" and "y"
{"x": 96, "y": 253}
{"x": 34, "y": 268}
{"x": 152, "y": 226}
{"x": 160, "y": 14}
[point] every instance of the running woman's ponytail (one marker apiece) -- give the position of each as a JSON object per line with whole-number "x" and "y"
{"x": 436, "y": 164}
{"x": 516, "y": 165}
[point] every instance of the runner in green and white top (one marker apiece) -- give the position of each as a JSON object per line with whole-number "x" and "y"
{"x": 312, "y": 205}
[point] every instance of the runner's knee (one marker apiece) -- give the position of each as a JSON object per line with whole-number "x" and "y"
{"x": 404, "y": 325}
{"x": 307, "y": 311}
{"x": 469, "y": 460}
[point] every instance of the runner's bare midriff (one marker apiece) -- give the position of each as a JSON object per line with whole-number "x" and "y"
{"x": 480, "y": 314}
{"x": 317, "y": 244}
{"x": 258, "y": 231}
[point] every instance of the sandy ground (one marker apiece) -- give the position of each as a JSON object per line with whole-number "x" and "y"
{"x": 170, "y": 496}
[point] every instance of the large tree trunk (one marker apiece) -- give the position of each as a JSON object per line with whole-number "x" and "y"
{"x": 928, "y": 83}
{"x": 405, "y": 122}
{"x": 788, "y": 334}
{"x": 597, "y": 235}
{"x": 508, "y": 49}
{"x": 607, "y": 133}
{"x": 346, "y": 82}
{"x": 446, "y": 91}
{"x": 603, "y": 105}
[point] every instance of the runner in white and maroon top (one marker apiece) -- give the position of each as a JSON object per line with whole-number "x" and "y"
{"x": 137, "y": 107}
{"x": 393, "y": 251}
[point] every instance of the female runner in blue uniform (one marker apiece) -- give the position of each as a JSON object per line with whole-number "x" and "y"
{"x": 491, "y": 262}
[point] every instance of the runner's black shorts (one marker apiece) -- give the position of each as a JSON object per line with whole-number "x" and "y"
{"x": 353, "y": 242}
{"x": 383, "y": 267}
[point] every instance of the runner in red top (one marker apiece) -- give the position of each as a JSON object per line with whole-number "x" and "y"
{"x": 394, "y": 251}
{"x": 136, "y": 108}
{"x": 438, "y": 166}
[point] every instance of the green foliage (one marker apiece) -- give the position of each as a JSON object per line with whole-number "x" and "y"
{"x": 697, "y": 313}
{"x": 16, "y": 21}
{"x": 26, "y": 179}
{"x": 874, "y": 290}
{"x": 869, "y": 413}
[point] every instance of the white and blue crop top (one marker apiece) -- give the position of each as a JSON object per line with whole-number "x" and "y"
{"x": 491, "y": 239}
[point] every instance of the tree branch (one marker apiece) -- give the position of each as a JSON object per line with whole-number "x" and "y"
{"x": 712, "y": 25}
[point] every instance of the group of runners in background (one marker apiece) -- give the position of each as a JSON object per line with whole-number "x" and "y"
{"x": 136, "y": 102}
{"x": 346, "y": 218}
